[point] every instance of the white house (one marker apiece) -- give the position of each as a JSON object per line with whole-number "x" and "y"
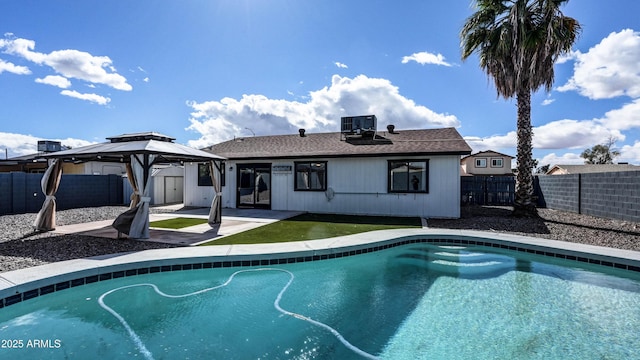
{"x": 395, "y": 173}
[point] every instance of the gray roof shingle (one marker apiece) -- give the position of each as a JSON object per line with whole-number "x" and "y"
{"x": 445, "y": 141}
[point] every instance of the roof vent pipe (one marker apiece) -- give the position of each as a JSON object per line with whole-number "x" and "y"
{"x": 391, "y": 128}
{"x": 301, "y": 131}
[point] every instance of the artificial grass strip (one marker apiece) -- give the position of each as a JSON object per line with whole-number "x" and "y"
{"x": 177, "y": 223}
{"x": 315, "y": 226}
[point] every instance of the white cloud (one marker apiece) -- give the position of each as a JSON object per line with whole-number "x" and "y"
{"x": 101, "y": 100}
{"x": 424, "y": 57}
{"x": 12, "y": 68}
{"x": 218, "y": 121}
{"x": 19, "y": 144}
{"x": 495, "y": 142}
{"x": 75, "y": 143}
{"x": 575, "y": 134}
{"x": 560, "y": 134}
{"x": 567, "y": 57}
{"x": 70, "y": 63}
{"x": 609, "y": 69}
{"x": 55, "y": 80}
{"x": 625, "y": 118}
{"x": 572, "y": 134}
{"x": 146, "y": 79}
{"x": 546, "y": 102}
{"x": 630, "y": 153}
{"x": 341, "y": 65}
{"x": 564, "y": 159}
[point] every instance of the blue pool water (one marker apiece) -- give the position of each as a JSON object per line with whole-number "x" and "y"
{"x": 417, "y": 301}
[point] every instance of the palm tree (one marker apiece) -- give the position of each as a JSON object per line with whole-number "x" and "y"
{"x": 518, "y": 42}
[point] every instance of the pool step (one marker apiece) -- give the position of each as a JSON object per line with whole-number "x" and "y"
{"x": 457, "y": 261}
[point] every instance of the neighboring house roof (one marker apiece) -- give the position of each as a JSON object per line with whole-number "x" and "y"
{"x": 591, "y": 168}
{"x": 487, "y": 153}
{"x": 30, "y": 158}
{"x": 23, "y": 158}
{"x": 446, "y": 141}
{"x": 24, "y": 163}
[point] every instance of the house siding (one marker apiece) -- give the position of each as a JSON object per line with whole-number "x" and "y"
{"x": 201, "y": 196}
{"x": 359, "y": 186}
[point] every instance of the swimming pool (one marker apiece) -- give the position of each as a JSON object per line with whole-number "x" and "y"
{"x": 415, "y": 300}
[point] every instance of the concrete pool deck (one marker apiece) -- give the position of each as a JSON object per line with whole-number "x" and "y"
{"x": 23, "y": 284}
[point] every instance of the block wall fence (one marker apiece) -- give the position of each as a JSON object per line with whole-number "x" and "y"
{"x": 21, "y": 192}
{"x": 614, "y": 195}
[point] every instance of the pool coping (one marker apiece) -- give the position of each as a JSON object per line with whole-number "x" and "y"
{"x": 20, "y": 285}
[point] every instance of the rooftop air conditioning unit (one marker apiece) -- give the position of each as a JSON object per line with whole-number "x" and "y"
{"x": 358, "y": 125}
{"x": 48, "y": 146}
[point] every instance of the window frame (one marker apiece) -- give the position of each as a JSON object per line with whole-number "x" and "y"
{"x": 209, "y": 182}
{"x": 204, "y": 179}
{"x": 408, "y": 189}
{"x": 323, "y": 182}
{"x": 479, "y": 162}
{"x": 497, "y": 160}
{"x": 223, "y": 173}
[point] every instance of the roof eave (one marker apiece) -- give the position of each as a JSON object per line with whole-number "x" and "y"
{"x": 333, "y": 156}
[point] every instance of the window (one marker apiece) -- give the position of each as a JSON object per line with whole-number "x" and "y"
{"x": 204, "y": 174}
{"x": 496, "y": 163}
{"x": 409, "y": 176}
{"x": 311, "y": 176}
{"x": 223, "y": 173}
{"x": 481, "y": 163}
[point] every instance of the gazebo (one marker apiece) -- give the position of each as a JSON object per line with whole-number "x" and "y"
{"x": 139, "y": 152}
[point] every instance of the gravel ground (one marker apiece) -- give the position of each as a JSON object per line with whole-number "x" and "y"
{"x": 552, "y": 224}
{"x": 21, "y": 248}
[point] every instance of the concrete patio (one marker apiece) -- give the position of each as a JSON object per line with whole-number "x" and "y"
{"x": 233, "y": 222}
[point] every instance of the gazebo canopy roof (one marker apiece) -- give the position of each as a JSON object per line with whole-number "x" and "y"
{"x": 119, "y": 148}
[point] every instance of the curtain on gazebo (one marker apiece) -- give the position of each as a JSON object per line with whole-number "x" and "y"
{"x": 135, "y": 195}
{"x": 215, "y": 213}
{"x": 140, "y": 224}
{"x": 135, "y": 221}
{"x": 46, "y": 218}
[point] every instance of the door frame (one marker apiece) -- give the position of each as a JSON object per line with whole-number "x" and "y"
{"x": 253, "y": 166}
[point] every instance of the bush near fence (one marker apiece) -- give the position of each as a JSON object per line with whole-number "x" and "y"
{"x": 22, "y": 192}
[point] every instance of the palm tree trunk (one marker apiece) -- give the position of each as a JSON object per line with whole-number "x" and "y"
{"x": 523, "y": 204}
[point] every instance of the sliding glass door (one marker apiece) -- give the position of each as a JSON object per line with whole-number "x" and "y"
{"x": 254, "y": 185}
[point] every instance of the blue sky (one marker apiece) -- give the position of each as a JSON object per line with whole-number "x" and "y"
{"x": 205, "y": 71}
